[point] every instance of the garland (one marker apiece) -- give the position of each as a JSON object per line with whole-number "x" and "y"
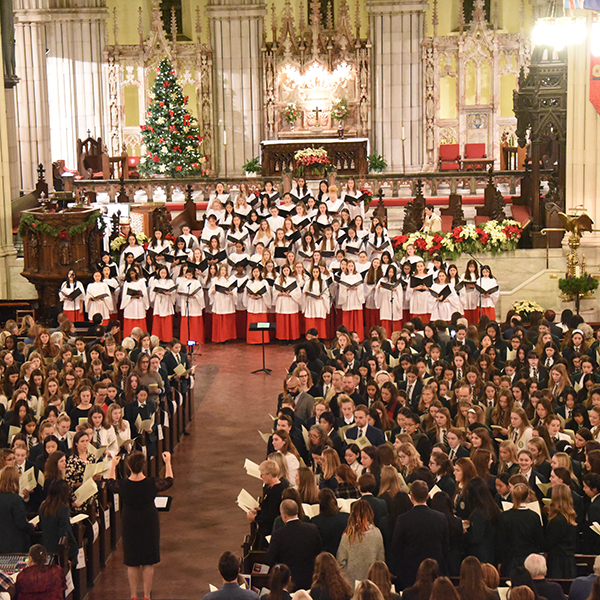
{"x": 29, "y": 222}
{"x": 494, "y": 237}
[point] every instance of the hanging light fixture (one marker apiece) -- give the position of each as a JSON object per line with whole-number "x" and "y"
{"x": 559, "y": 31}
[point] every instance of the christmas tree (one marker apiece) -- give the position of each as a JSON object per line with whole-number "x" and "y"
{"x": 170, "y": 134}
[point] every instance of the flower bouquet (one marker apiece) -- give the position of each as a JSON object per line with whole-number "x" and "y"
{"x": 312, "y": 161}
{"x": 525, "y": 308}
{"x": 291, "y": 113}
{"x": 340, "y": 109}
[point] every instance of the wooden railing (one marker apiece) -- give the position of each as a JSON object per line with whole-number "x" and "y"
{"x": 393, "y": 184}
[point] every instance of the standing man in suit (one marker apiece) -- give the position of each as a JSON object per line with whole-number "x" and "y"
{"x": 591, "y": 541}
{"x": 303, "y": 402}
{"x": 412, "y": 386}
{"x": 348, "y": 389}
{"x": 362, "y": 428}
{"x": 296, "y": 545}
{"x": 419, "y": 534}
{"x": 229, "y": 568}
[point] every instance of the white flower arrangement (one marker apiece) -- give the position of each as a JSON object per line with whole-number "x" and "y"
{"x": 526, "y": 307}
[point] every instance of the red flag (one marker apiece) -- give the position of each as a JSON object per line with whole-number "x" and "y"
{"x": 595, "y": 81}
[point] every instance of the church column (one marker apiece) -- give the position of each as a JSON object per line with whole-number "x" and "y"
{"x": 7, "y": 250}
{"x": 236, "y": 32}
{"x": 583, "y": 139}
{"x": 396, "y": 28}
{"x": 76, "y": 34}
{"x": 31, "y": 112}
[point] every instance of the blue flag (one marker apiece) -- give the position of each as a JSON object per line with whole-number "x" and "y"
{"x": 573, "y": 4}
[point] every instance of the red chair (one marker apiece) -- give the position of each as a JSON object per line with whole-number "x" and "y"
{"x": 474, "y": 151}
{"x": 449, "y": 157}
{"x": 132, "y": 165}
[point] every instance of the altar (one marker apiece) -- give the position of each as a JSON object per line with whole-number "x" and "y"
{"x": 348, "y": 157}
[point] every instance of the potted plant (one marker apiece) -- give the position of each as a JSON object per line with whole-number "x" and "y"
{"x": 312, "y": 162}
{"x": 291, "y": 113}
{"x": 377, "y": 164}
{"x": 252, "y": 167}
{"x": 577, "y": 288}
{"x": 339, "y": 111}
{"x": 526, "y": 308}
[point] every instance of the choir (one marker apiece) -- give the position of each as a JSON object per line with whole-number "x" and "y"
{"x": 297, "y": 261}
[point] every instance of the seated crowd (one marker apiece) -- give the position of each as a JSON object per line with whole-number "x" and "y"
{"x": 470, "y": 452}
{"x": 68, "y": 402}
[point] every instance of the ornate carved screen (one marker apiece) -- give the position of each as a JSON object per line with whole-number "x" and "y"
{"x": 313, "y": 67}
{"x": 469, "y": 79}
{"x": 130, "y": 73}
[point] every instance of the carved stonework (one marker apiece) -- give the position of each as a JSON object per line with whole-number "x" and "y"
{"x": 314, "y": 66}
{"x": 131, "y": 66}
{"x": 484, "y": 54}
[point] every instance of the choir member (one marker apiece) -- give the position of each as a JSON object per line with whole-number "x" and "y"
{"x": 389, "y": 300}
{"x": 257, "y": 299}
{"x": 191, "y": 241}
{"x": 132, "y": 247}
{"x": 72, "y": 295}
{"x": 162, "y": 297}
{"x": 419, "y": 293}
{"x": 288, "y": 299}
{"x": 99, "y": 299}
{"x": 224, "y": 296}
{"x": 487, "y": 293}
{"x": 374, "y": 274}
{"x": 134, "y": 303}
{"x": 351, "y": 198}
{"x": 316, "y": 303}
{"x": 469, "y": 297}
{"x": 445, "y": 301}
{"x": 190, "y": 296}
{"x": 158, "y": 247}
{"x": 351, "y": 298}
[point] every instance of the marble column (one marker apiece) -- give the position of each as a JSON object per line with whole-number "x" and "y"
{"x": 76, "y": 95}
{"x": 32, "y": 114}
{"x": 236, "y": 37}
{"x": 583, "y": 139}
{"x": 397, "y": 29}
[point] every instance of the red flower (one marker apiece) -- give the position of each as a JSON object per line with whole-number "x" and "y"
{"x": 166, "y": 84}
{"x": 421, "y": 244}
{"x": 143, "y": 127}
{"x": 456, "y": 234}
{"x": 63, "y": 235}
{"x": 155, "y": 158}
{"x": 145, "y": 245}
{"x": 171, "y": 113}
{"x": 178, "y": 168}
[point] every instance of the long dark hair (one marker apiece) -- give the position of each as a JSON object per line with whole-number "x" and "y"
{"x": 428, "y": 572}
{"x": 278, "y": 581}
{"x": 58, "y": 496}
{"x": 478, "y": 495}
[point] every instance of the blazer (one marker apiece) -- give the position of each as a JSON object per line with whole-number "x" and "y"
{"x": 590, "y": 543}
{"x": 419, "y": 534}
{"x": 521, "y": 534}
{"x": 14, "y": 525}
{"x": 231, "y": 591}
{"x": 296, "y": 545}
{"x": 331, "y": 529}
{"x": 379, "y": 507}
{"x": 304, "y": 405}
{"x": 374, "y": 435}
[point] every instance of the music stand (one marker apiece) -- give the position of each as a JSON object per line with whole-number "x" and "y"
{"x": 262, "y": 327}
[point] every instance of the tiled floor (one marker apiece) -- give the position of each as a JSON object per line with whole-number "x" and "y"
{"x": 231, "y": 406}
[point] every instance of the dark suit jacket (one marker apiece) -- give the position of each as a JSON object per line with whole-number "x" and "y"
{"x": 379, "y": 507}
{"x": 521, "y": 534}
{"x": 331, "y": 529}
{"x": 296, "y": 545}
{"x": 304, "y": 406}
{"x": 374, "y": 435}
{"x": 590, "y": 543}
{"x": 549, "y": 589}
{"x": 231, "y": 591}
{"x": 13, "y": 525}
{"x": 419, "y": 534}
{"x": 416, "y": 395}
{"x": 461, "y": 452}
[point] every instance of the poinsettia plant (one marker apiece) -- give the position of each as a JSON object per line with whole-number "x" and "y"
{"x": 494, "y": 237}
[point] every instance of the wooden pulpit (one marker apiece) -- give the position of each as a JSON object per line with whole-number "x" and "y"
{"x": 55, "y": 242}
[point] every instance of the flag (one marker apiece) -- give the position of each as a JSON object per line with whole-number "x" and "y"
{"x": 591, "y": 4}
{"x": 573, "y": 4}
{"x": 595, "y": 81}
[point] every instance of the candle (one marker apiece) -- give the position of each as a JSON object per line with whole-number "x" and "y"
{"x": 224, "y": 137}
{"x": 403, "y": 133}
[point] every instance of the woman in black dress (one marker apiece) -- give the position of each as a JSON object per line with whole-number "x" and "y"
{"x": 141, "y": 528}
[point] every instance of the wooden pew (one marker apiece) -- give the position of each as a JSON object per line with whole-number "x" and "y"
{"x": 80, "y": 578}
